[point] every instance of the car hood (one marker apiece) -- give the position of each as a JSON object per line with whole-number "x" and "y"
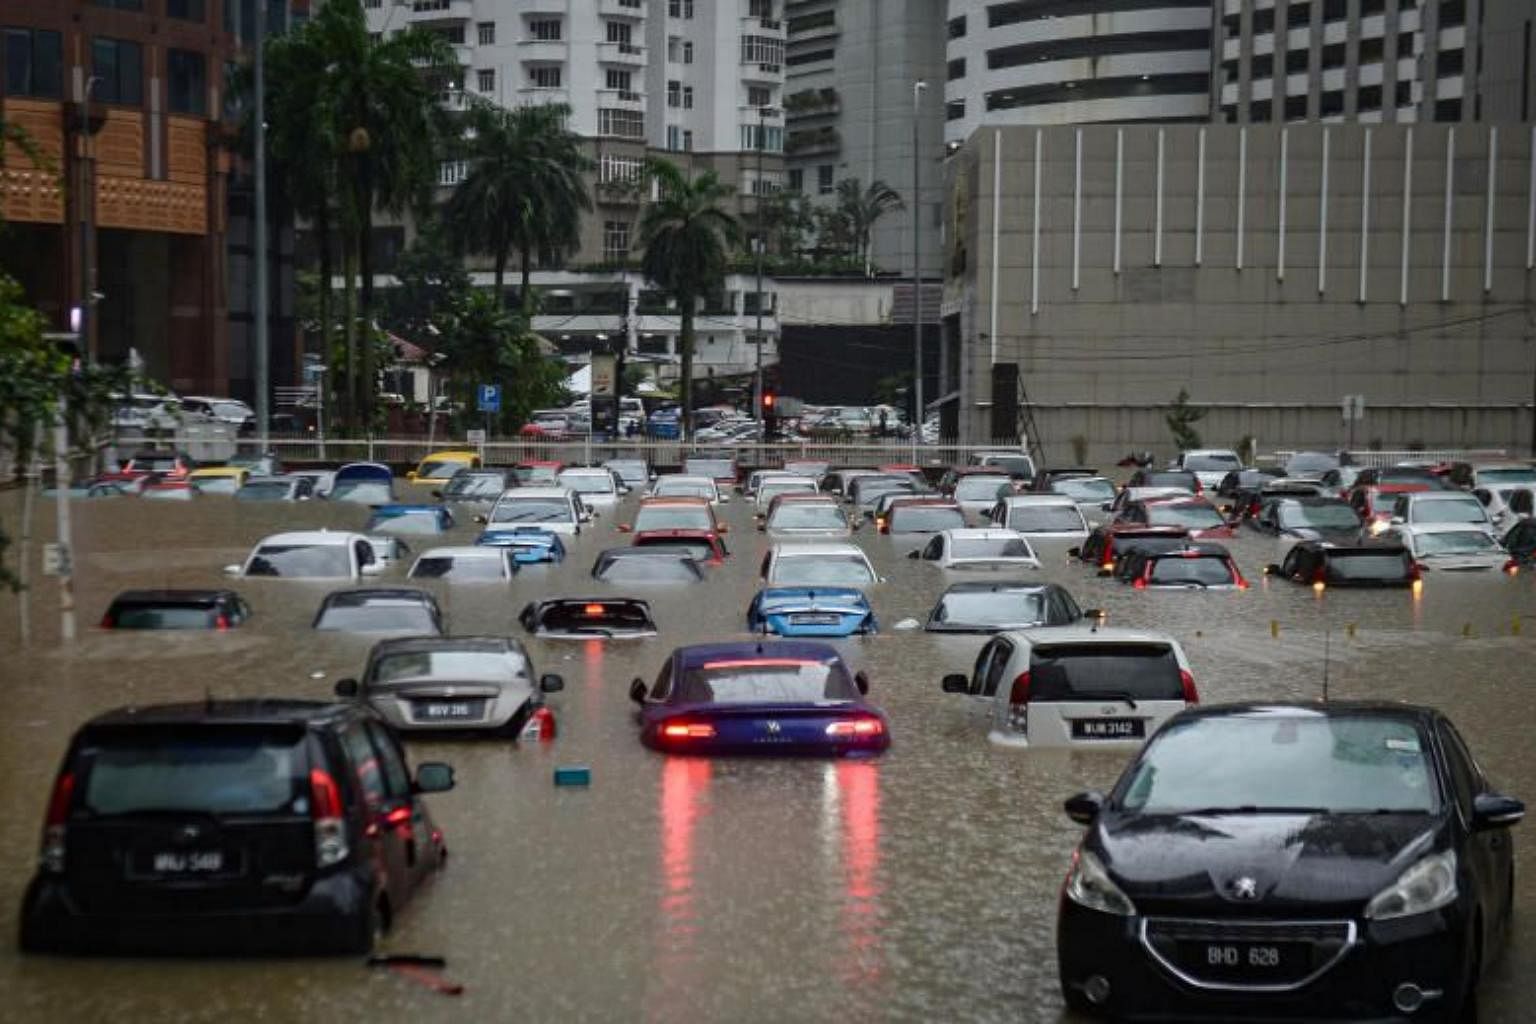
{"x": 1187, "y": 864}
{"x": 1469, "y": 560}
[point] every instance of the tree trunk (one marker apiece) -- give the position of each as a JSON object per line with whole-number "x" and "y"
{"x": 349, "y": 326}
{"x": 365, "y": 315}
{"x": 525, "y": 298}
{"x": 500, "y": 278}
{"x": 685, "y": 349}
{"x": 323, "y": 239}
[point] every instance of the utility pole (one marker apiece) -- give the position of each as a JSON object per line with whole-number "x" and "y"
{"x": 917, "y": 273}
{"x": 761, "y": 245}
{"x": 263, "y": 339}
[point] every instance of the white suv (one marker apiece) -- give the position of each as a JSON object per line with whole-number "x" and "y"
{"x": 1078, "y": 686}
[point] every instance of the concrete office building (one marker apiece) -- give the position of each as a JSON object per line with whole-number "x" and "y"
{"x": 1095, "y": 272}
{"x": 1375, "y": 61}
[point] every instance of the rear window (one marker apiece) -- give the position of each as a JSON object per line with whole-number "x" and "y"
{"x": 820, "y": 570}
{"x": 1012, "y": 465}
{"x": 676, "y": 517}
{"x": 377, "y": 618}
{"x": 1194, "y": 515}
{"x": 1211, "y": 463}
{"x": 978, "y": 487}
{"x": 223, "y": 771}
{"x": 1090, "y": 489}
{"x": 985, "y": 547}
{"x": 718, "y": 469}
{"x": 155, "y": 463}
{"x": 684, "y": 489}
{"x": 925, "y": 520}
{"x": 596, "y": 616}
{"x": 766, "y": 681}
{"x": 1045, "y": 519}
{"x": 587, "y": 483}
{"x": 301, "y": 561}
{"x": 807, "y": 517}
{"x": 458, "y": 568}
{"x": 1510, "y": 475}
{"x": 1104, "y": 671}
{"x": 162, "y": 616}
{"x": 1449, "y": 510}
{"x": 649, "y": 569}
{"x": 994, "y": 608}
{"x": 1369, "y": 565}
{"x": 1180, "y": 479}
{"x": 444, "y": 664}
{"x": 1208, "y": 570}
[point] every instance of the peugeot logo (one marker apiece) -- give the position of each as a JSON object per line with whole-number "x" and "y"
{"x": 1108, "y": 709}
{"x": 1245, "y": 888}
{"x": 775, "y": 728}
{"x": 188, "y": 834}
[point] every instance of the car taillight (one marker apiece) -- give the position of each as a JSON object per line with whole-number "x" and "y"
{"x": 55, "y": 829}
{"x": 1018, "y": 703}
{"x": 1139, "y": 583}
{"x": 221, "y": 623}
{"x": 1319, "y": 575}
{"x": 326, "y": 813}
{"x": 108, "y": 622}
{"x": 1237, "y": 575}
{"x": 540, "y": 726}
{"x": 1187, "y": 681}
{"x": 688, "y": 731}
{"x": 854, "y": 728}
{"x": 1512, "y": 567}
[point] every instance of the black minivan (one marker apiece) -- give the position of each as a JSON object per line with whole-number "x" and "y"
{"x": 248, "y": 826}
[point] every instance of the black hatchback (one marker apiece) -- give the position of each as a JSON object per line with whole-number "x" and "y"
{"x": 1290, "y": 862}
{"x": 1348, "y": 565}
{"x": 176, "y": 609}
{"x": 254, "y": 826}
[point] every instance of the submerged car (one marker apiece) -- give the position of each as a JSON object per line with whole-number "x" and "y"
{"x": 992, "y": 606}
{"x": 586, "y": 618}
{"x": 781, "y": 697}
{"x": 647, "y": 565}
{"x": 380, "y": 610}
{"x": 1191, "y": 567}
{"x": 1449, "y": 547}
{"x": 474, "y": 564}
{"x": 979, "y": 548}
{"x": 442, "y": 466}
{"x": 256, "y": 826}
{"x": 1108, "y": 544}
{"x": 550, "y": 508}
{"x": 482, "y": 683}
{"x": 811, "y": 611}
{"x": 815, "y": 565}
{"x": 1347, "y": 861}
{"x": 277, "y": 488}
{"x": 1348, "y": 565}
{"x": 530, "y": 545}
{"x": 176, "y": 609}
{"x": 310, "y": 555}
{"x": 476, "y": 487}
{"x": 409, "y": 520}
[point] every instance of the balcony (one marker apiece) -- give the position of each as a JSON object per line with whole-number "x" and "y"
{"x": 627, "y": 54}
{"x": 538, "y": 95}
{"x": 620, "y": 98}
{"x": 813, "y": 142}
{"x": 542, "y": 50}
{"x": 812, "y": 103}
{"x": 634, "y": 9}
{"x": 753, "y": 25}
{"x": 755, "y": 71}
{"x": 426, "y": 12}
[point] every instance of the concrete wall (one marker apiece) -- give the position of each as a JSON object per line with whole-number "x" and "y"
{"x": 1239, "y": 302}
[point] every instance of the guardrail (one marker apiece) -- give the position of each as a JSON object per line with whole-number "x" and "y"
{"x": 1370, "y": 458}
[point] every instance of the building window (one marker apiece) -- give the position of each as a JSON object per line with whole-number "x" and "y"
{"x": 674, "y": 93}
{"x": 544, "y": 78}
{"x": 674, "y": 137}
{"x": 625, "y": 124}
{"x": 429, "y": 5}
{"x": 957, "y": 27}
{"x": 373, "y": 5}
{"x": 687, "y": 52}
{"x": 619, "y": 169}
{"x": 760, "y": 8}
{"x": 759, "y": 96}
{"x": 954, "y": 110}
{"x": 679, "y": 8}
{"x": 34, "y": 63}
{"x": 486, "y": 31}
{"x": 120, "y": 66}
{"x": 956, "y": 69}
{"x": 618, "y": 80}
{"x": 687, "y": 139}
{"x": 545, "y": 30}
{"x": 824, "y": 179}
{"x": 187, "y": 82}
{"x": 814, "y": 57}
{"x": 485, "y": 80}
{"x": 452, "y": 172}
{"x": 186, "y": 10}
{"x": 762, "y": 50}
{"x": 687, "y": 97}
{"x": 618, "y": 32}
{"x": 808, "y": 22}
{"x": 615, "y": 240}
{"x": 769, "y": 137}
{"x": 797, "y": 179}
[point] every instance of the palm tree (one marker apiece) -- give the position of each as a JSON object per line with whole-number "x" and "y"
{"x": 686, "y": 236}
{"x": 860, "y": 207}
{"x": 525, "y": 188}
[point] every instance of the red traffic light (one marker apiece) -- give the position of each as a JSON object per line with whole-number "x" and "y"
{"x": 768, "y": 399}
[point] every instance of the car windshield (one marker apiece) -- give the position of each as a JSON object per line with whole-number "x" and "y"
{"x": 1310, "y": 462}
{"x": 489, "y": 666}
{"x": 766, "y": 680}
{"x": 673, "y": 517}
{"x": 768, "y": 488}
{"x": 1456, "y": 542}
{"x": 1143, "y": 671}
{"x": 416, "y": 524}
{"x": 1449, "y": 510}
{"x": 1508, "y": 475}
{"x": 921, "y": 519}
{"x": 587, "y": 483}
{"x": 684, "y": 489}
{"x": 217, "y": 484}
{"x": 1365, "y": 564}
{"x": 822, "y": 570}
{"x": 1206, "y": 570}
{"x": 163, "y": 616}
{"x": 532, "y": 510}
{"x": 276, "y": 490}
{"x": 807, "y": 516}
{"x": 1171, "y": 478}
{"x": 155, "y": 463}
{"x": 457, "y": 567}
{"x": 648, "y": 569}
{"x": 1045, "y": 519}
{"x": 363, "y": 492}
{"x": 1013, "y": 465}
{"x": 223, "y": 771}
{"x": 868, "y": 489}
{"x": 990, "y": 547}
{"x": 377, "y": 617}
{"x": 433, "y": 469}
{"x": 1192, "y": 514}
{"x": 1212, "y": 463}
{"x": 979, "y": 487}
{"x": 1335, "y": 764}
{"x": 994, "y": 608}
{"x": 1294, "y": 515}
{"x": 717, "y": 469}
{"x": 300, "y": 561}
{"x": 1087, "y": 489}
{"x": 475, "y": 485}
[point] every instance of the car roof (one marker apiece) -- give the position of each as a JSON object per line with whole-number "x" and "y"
{"x": 1372, "y": 546}
{"x": 1418, "y": 496}
{"x": 414, "y": 644}
{"x": 691, "y": 478}
{"x": 995, "y": 586}
{"x": 313, "y": 537}
{"x": 463, "y": 551}
{"x": 686, "y": 532}
{"x": 172, "y": 596}
{"x": 357, "y": 596}
{"x": 980, "y": 533}
{"x": 686, "y": 500}
{"x": 246, "y": 711}
{"x": 833, "y": 548}
{"x": 535, "y": 492}
{"x": 601, "y": 471}
{"x": 1417, "y": 528}
{"x": 960, "y": 471}
{"x": 1045, "y": 635}
{"x": 1310, "y": 709}
{"x": 1121, "y": 529}
{"x": 696, "y": 655}
{"x": 647, "y": 551}
{"x": 1195, "y": 548}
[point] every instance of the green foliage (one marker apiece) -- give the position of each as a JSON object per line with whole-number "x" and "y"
{"x": 858, "y": 208}
{"x": 634, "y": 375}
{"x": 432, "y": 281}
{"x": 1181, "y": 420}
{"x": 485, "y": 344}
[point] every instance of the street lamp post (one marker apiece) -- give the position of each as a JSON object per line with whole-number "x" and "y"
{"x": 263, "y": 355}
{"x": 917, "y": 273}
{"x": 760, "y": 244}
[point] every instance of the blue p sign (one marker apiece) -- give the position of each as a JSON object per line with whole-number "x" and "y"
{"x": 489, "y": 398}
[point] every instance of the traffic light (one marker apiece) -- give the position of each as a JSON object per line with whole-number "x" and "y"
{"x": 768, "y": 399}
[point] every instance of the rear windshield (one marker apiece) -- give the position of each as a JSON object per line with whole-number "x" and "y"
{"x": 1208, "y": 570}
{"x": 1014, "y": 465}
{"x": 807, "y": 517}
{"x": 377, "y": 618}
{"x": 768, "y": 488}
{"x": 1194, "y": 515}
{"x": 475, "y": 485}
{"x": 1449, "y": 510}
{"x": 301, "y": 561}
{"x": 1104, "y": 671}
{"x": 458, "y": 567}
{"x": 416, "y": 524}
{"x": 766, "y": 681}
{"x": 675, "y": 517}
{"x": 697, "y": 547}
{"x": 595, "y": 617}
{"x": 163, "y": 616}
{"x": 822, "y": 570}
{"x": 869, "y": 493}
{"x": 1310, "y": 462}
{"x": 221, "y": 772}
{"x": 1170, "y": 479}
{"x": 1325, "y": 517}
{"x": 982, "y": 547}
{"x": 1089, "y": 489}
{"x": 534, "y": 474}
{"x": 649, "y": 569}
{"x": 991, "y": 608}
{"x": 718, "y": 469}
{"x": 362, "y": 492}
{"x": 276, "y": 491}
{"x": 1369, "y": 565}
{"x": 1511, "y": 475}
{"x": 532, "y": 510}
{"x": 587, "y": 483}
{"x": 684, "y": 489}
{"x": 925, "y": 520}
{"x": 167, "y": 464}
{"x": 978, "y": 487}
{"x": 454, "y": 665}
{"x": 1457, "y": 542}
{"x": 1045, "y": 519}
{"x": 1211, "y": 463}
{"x": 629, "y": 471}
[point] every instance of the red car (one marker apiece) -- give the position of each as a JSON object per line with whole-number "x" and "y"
{"x": 538, "y": 472}
{"x": 705, "y": 545}
{"x": 657, "y": 514}
{"x": 1202, "y": 519}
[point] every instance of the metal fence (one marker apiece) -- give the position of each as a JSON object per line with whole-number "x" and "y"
{"x": 1392, "y": 458}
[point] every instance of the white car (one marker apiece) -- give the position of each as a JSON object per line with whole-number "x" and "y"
{"x": 1210, "y": 465}
{"x": 1091, "y": 493}
{"x": 807, "y": 519}
{"x": 473, "y": 564}
{"x": 976, "y": 493}
{"x": 1016, "y": 463}
{"x": 818, "y": 565}
{"x": 1130, "y": 494}
{"x": 550, "y": 508}
{"x": 1507, "y": 504}
{"x": 310, "y": 555}
{"x": 978, "y": 549}
{"x": 1420, "y": 508}
{"x": 1078, "y": 686}
{"x": 230, "y": 411}
{"x": 1041, "y": 517}
{"x": 1452, "y": 547}
{"x": 677, "y": 485}
{"x": 771, "y": 487}
{"x": 599, "y": 488}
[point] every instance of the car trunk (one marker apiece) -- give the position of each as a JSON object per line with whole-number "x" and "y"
{"x": 1101, "y": 693}
{"x": 769, "y": 728}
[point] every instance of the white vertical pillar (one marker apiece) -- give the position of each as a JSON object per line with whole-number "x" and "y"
{"x": 1200, "y": 201}
{"x": 1285, "y": 152}
{"x": 1322, "y": 220}
{"x": 1493, "y": 166}
{"x": 997, "y": 211}
{"x": 1119, "y": 189}
{"x": 1402, "y": 287}
{"x": 1157, "y": 229}
{"x": 1450, "y": 200}
{"x": 1034, "y": 260}
{"x": 1242, "y": 189}
{"x": 1077, "y": 209}
{"x": 1365, "y": 213}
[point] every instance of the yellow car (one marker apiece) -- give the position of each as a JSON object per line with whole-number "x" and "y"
{"x": 439, "y": 466}
{"x": 219, "y": 479}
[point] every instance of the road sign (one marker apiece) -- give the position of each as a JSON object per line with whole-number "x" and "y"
{"x": 489, "y": 398}
{"x": 476, "y": 437}
{"x": 1353, "y": 407}
{"x": 55, "y": 560}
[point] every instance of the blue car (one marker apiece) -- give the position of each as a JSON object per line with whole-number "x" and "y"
{"x": 664, "y": 425}
{"x": 811, "y": 611}
{"x": 780, "y": 697}
{"x": 530, "y": 545}
{"x": 415, "y": 520}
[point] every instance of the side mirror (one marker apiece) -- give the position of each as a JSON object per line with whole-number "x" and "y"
{"x": 914, "y": 554}
{"x": 434, "y": 777}
{"x": 481, "y": 520}
{"x": 624, "y": 528}
{"x": 373, "y": 569}
{"x": 231, "y": 570}
{"x": 551, "y": 683}
{"x": 1494, "y": 810}
{"x": 437, "y": 494}
{"x": 956, "y": 683}
{"x": 346, "y": 688}
{"x": 1271, "y": 569}
{"x": 637, "y": 690}
{"x": 1084, "y": 807}
{"x": 861, "y": 680}
{"x": 1074, "y": 552}
{"x": 1095, "y": 613}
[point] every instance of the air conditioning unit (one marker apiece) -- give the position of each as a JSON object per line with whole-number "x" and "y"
{"x": 771, "y": 69}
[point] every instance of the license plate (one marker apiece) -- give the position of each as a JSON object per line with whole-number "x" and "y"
{"x": 815, "y": 620}
{"x": 187, "y": 862}
{"x": 1108, "y": 728}
{"x": 448, "y": 710}
{"x": 1242, "y": 960}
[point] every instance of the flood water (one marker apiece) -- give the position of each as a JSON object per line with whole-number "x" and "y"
{"x": 920, "y": 886}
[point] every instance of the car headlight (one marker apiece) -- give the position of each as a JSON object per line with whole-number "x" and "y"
{"x": 1089, "y": 885}
{"x": 1428, "y": 885}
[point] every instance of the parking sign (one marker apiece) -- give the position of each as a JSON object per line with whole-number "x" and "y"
{"x": 489, "y": 398}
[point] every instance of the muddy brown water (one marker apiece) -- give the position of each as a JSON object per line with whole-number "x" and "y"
{"x": 921, "y": 886}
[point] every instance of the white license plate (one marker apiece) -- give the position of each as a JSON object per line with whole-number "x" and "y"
{"x": 449, "y": 711}
{"x": 192, "y": 862}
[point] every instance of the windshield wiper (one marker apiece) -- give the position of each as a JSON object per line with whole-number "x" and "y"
{"x": 1251, "y": 809}
{"x": 1106, "y": 695}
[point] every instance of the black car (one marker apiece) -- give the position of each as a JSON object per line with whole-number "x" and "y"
{"x": 991, "y": 607}
{"x": 1306, "y": 518}
{"x": 588, "y": 618}
{"x": 1347, "y": 861}
{"x": 1107, "y": 545}
{"x": 381, "y": 610}
{"x": 1348, "y": 565}
{"x": 1191, "y": 567}
{"x": 1520, "y": 541}
{"x": 176, "y": 609}
{"x": 1241, "y": 479}
{"x": 658, "y": 563}
{"x": 1376, "y": 476}
{"x": 476, "y": 487}
{"x": 252, "y": 826}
